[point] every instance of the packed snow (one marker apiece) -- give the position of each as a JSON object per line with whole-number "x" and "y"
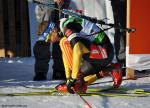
{"x": 16, "y": 76}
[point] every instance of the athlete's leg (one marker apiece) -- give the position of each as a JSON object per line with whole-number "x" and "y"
{"x": 66, "y": 50}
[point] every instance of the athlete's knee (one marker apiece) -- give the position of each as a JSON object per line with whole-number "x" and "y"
{"x": 87, "y": 69}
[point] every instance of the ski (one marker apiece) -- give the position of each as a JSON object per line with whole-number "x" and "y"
{"x": 110, "y": 81}
{"x": 67, "y": 94}
{"x": 124, "y": 79}
{"x": 121, "y": 92}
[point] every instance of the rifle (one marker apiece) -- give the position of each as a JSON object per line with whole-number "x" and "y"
{"x": 79, "y": 15}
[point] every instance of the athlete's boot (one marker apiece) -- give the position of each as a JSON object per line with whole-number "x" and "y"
{"x": 116, "y": 75}
{"x": 80, "y": 86}
{"x": 61, "y": 87}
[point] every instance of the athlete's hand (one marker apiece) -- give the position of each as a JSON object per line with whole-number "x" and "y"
{"x": 70, "y": 85}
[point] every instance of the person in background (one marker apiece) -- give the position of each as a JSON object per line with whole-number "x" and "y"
{"x": 43, "y": 15}
{"x": 56, "y": 15}
{"x": 41, "y": 49}
{"x": 119, "y": 13}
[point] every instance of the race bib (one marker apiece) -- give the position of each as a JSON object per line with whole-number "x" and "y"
{"x": 97, "y": 52}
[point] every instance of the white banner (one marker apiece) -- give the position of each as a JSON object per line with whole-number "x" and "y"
{"x": 137, "y": 61}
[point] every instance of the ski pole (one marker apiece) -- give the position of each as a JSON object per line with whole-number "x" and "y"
{"x": 86, "y": 103}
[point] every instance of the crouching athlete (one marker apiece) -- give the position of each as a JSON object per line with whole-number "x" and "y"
{"x": 85, "y": 58}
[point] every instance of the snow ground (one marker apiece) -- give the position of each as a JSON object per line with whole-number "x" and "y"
{"x": 18, "y": 72}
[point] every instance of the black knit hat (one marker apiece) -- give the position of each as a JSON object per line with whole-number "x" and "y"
{"x": 76, "y": 27}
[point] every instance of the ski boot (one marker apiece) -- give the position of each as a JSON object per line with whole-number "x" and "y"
{"x": 116, "y": 75}
{"x": 80, "y": 87}
{"x": 62, "y": 87}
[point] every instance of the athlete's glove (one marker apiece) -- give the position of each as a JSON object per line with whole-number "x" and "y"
{"x": 70, "y": 85}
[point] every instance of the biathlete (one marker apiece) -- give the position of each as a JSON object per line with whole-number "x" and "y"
{"x": 85, "y": 57}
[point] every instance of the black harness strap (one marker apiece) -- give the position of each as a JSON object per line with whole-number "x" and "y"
{"x": 86, "y": 42}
